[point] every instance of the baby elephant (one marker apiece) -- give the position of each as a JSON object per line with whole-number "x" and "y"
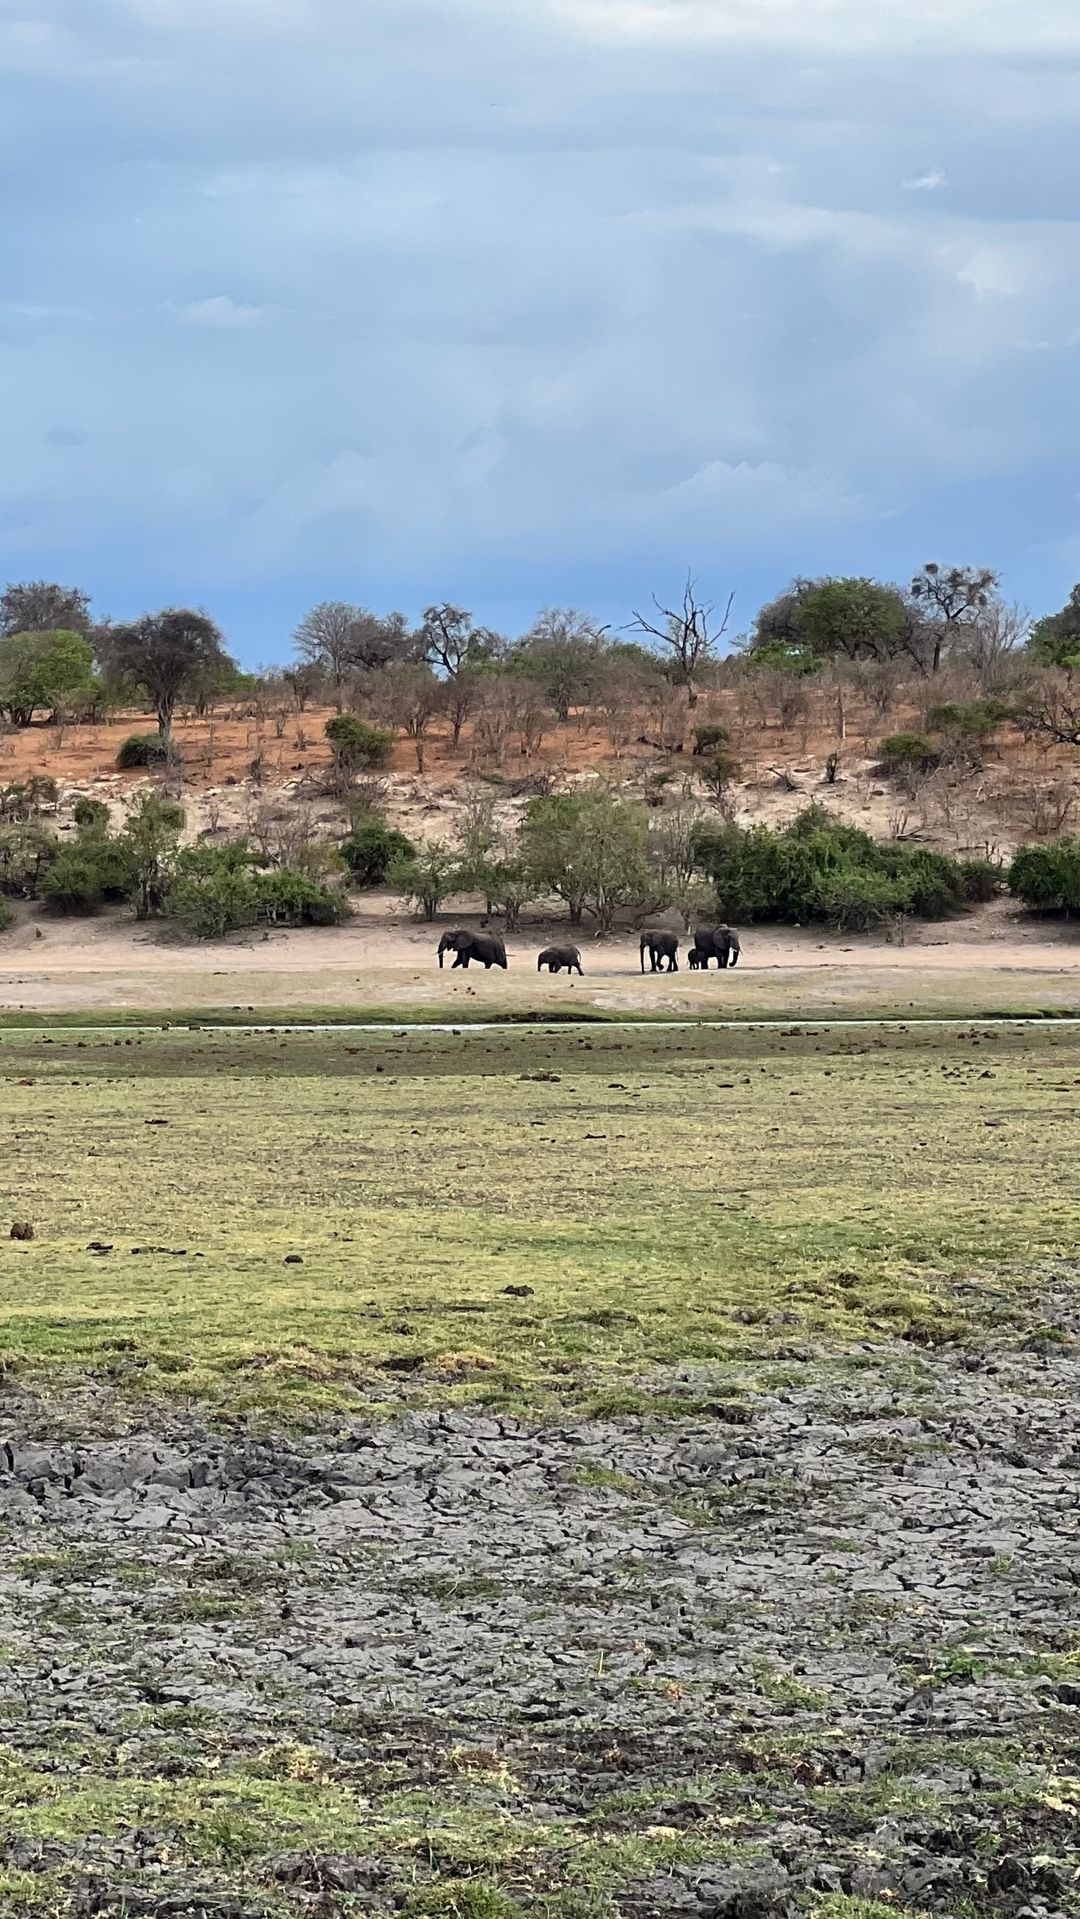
{"x": 555, "y": 958}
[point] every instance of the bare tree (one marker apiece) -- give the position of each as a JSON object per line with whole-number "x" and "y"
{"x": 407, "y": 694}
{"x": 1050, "y": 709}
{"x": 324, "y": 638}
{"x": 954, "y": 597}
{"x": 689, "y": 630}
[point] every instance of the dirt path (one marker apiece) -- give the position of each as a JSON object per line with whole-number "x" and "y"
{"x": 810, "y": 1643}
{"x": 997, "y": 959}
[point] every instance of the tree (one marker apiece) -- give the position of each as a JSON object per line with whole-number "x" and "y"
{"x": 324, "y": 639}
{"x": 818, "y": 620}
{"x": 408, "y": 694}
{"x": 451, "y": 641}
{"x": 590, "y": 850}
{"x": 563, "y": 652}
{"x": 46, "y": 669}
{"x": 152, "y": 843}
{"x": 40, "y": 606}
{"x": 429, "y": 877}
{"x": 1055, "y": 639}
{"x": 1050, "y": 709}
{"x": 954, "y": 597}
{"x": 357, "y": 746}
{"x": 167, "y": 654}
{"x": 690, "y": 632}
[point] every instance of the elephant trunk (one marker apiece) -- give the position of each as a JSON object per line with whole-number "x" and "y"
{"x": 642, "y": 950}
{"x": 540, "y": 964}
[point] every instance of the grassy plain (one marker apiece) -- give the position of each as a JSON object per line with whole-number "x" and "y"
{"x": 671, "y": 1198}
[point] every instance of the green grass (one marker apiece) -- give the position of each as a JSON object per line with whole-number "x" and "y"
{"x": 670, "y": 1197}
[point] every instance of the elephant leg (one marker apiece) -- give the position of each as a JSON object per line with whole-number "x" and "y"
{"x": 461, "y": 960}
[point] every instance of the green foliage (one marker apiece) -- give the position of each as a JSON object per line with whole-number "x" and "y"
{"x": 969, "y": 720}
{"x": 427, "y": 877}
{"x": 818, "y": 870}
{"x": 719, "y": 771}
{"x": 221, "y": 889}
{"x": 169, "y": 655}
{"x": 152, "y": 843}
{"x": 908, "y": 753}
{"x": 1055, "y": 640}
{"x": 91, "y": 817}
{"x": 357, "y": 745}
{"x": 142, "y": 749}
{"x": 708, "y": 738}
{"x": 588, "y": 848}
{"x": 72, "y": 884}
{"x": 26, "y": 851}
{"x": 819, "y": 620}
{"x": 7, "y": 916}
{"x": 1047, "y": 878}
{"x": 371, "y": 850}
{"x": 43, "y": 670}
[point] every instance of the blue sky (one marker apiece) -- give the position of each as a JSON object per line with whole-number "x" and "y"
{"x": 521, "y": 302}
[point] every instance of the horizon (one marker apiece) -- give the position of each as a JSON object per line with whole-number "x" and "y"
{"x": 542, "y": 308}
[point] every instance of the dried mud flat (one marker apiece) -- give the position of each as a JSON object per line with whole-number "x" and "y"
{"x": 816, "y": 1640}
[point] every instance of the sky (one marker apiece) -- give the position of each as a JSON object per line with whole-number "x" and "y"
{"x": 535, "y": 302}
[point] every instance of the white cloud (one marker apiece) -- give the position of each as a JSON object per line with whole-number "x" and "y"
{"x": 221, "y": 314}
{"x": 837, "y": 27}
{"x": 927, "y": 182}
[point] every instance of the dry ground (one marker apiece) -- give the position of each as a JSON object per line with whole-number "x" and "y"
{"x": 998, "y": 960}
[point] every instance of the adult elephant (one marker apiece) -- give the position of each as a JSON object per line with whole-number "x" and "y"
{"x": 660, "y": 945}
{"x": 720, "y": 943}
{"x": 555, "y": 958}
{"x": 486, "y": 949}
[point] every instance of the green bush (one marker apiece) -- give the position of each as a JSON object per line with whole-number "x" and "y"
{"x": 142, "y": 749}
{"x": 909, "y": 753}
{"x": 708, "y": 737}
{"x": 356, "y": 744}
{"x": 719, "y": 771}
{"x": 819, "y": 871}
{"x": 971, "y": 720}
{"x": 7, "y": 916}
{"x": 83, "y": 877}
{"x": 980, "y": 880}
{"x": 208, "y": 900}
{"x": 371, "y": 850}
{"x": 73, "y": 883}
{"x": 91, "y": 817}
{"x": 1047, "y": 878}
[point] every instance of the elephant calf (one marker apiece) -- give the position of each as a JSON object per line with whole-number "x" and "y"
{"x": 555, "y": 958}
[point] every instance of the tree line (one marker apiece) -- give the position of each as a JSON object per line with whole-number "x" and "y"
{"x": 58, "y": 660}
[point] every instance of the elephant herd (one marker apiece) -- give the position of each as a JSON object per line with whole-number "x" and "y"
{"x": 720, "y": 943}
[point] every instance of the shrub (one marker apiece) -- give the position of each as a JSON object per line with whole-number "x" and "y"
{"x": 90, "y": 816}
{"x": 707, "y": 738}
{"x": 973, "y": 720}
{"x": 73, "y": 883}
{"x": 82, "y": 877}
{"x": 357, "y": 745}
{"x": 980, "y": 880}
{"x": 719, "y": 772}
{"x": 142, "y": 749}
{"x": 7, "y": 916}
{"x": 208, "y": 901}
{"x": 908, "y": 753}
{"x": 820, "y": 870}
{"x": 371, "y": 850}
{"x": 1047, "y": 878}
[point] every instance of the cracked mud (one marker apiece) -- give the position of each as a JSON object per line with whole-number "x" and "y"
{"x": 820, "y": 1641}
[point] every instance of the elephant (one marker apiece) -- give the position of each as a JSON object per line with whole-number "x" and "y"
{"x": 486, "y": 948}
{"x": 555, "y": 958}
{"x": 661, "y": 945}
{"x": 714, "y": 942}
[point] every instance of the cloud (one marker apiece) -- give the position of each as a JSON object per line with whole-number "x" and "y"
{"x": 562, "y": 296}
{"x": 220, "y": 313}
